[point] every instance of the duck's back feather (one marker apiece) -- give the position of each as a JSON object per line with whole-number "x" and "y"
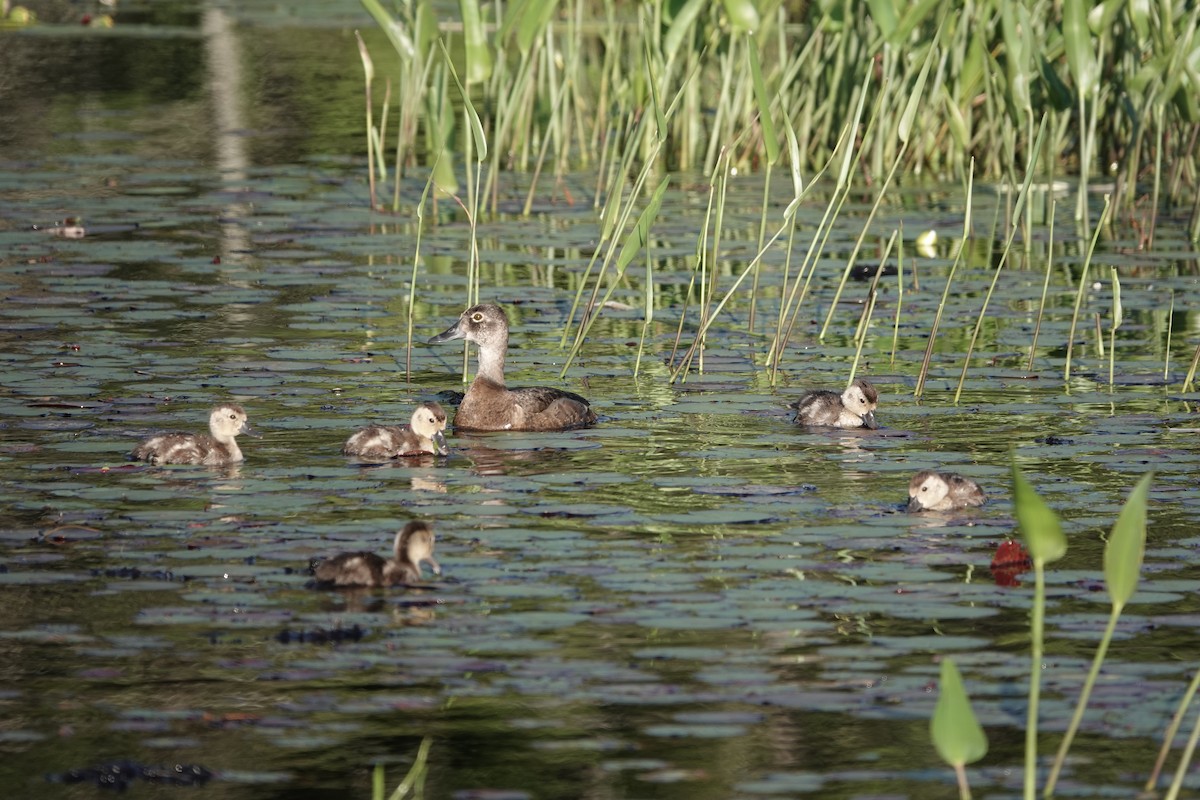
{"x": 185, "y": 448}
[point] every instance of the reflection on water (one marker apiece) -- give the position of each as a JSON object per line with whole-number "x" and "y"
{"x": 694, "y": 598}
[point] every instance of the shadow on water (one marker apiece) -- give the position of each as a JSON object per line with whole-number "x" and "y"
{"x": 695, "y": 598}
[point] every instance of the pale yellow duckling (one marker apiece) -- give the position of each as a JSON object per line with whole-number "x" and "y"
{"x": 853, "y": 408}
{"x": 422, "y": 434}
{"x": 413, "y": 545}
{"x": 489, "y": 405}
{"x": 215, "y": 448}
{"x": 943, "y": 491}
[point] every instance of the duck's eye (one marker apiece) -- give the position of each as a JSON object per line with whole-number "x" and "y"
{"x": 477, "y": 317}
{"x": 233, "y": 416}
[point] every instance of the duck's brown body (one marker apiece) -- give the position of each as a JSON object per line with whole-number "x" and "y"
{"x": 943, "y": 491}
{"x": 215, "y": 448}
{"x": 423, "y": 435}
{"x": 489, "y": 405}
{"x": 853, "y": 408}
{"x": 413, "y": 545}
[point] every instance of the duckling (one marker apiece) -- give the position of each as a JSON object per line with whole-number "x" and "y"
{"x": 853, "y": 408}
{"x": 422, "y": 434}
{"x": 215, "y": 448}
{"x": 413, "y": 545}
{"x": 943, "y": 491}
{"x": 488, "y": 404}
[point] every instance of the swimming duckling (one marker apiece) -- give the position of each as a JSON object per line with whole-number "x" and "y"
{"x": 215, "y": 448}
{"x": 853, "y": 408}
{"x": 488, "y": 404}
{"x": 943, "y": 491}
{"x": 422, "y": 434}
{"x": 413, "y": 545}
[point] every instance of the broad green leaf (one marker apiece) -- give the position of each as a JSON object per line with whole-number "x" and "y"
{"x": 479, "y": 56}
{"x": 1038, "y": 523}
{"x": 743, "y": 16}
{"x": 1081, "y": 54}
{"x": 394, "y": 30}
{"x": 884, "y": 14}
{"x": 913, "y": 17}
{"x": 1139, "y": 15}
{"x": 641, "y": 231}
{"x": 681, "y": 26}
{"x": 1127, "y": 545}
{"x": 770, "y": 138}
{"x": 532, "y": 22}
{"x": 794, "y": 160}
{"x": 955, "y": 731}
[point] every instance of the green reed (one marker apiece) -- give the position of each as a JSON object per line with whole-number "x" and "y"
{"x": 414, "y": 780}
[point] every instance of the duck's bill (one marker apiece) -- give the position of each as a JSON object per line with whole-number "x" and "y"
{"x": 869, "y": 420}
{"x": 914, "y": 505}
{"x": 447, "y": 335}
{"x": 435, "y": 566}
{"x": 439, "y": 444}
{"x": 248, "y": 431}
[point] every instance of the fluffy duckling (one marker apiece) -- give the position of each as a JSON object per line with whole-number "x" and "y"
{"x": 488, "y": 404}
{"x": 215, "y": 448}
{"x": 943, "y": 491}
{"x": 422, "y": 434}
{"x": 413, "y": 545}
{"x": 853, "y": 408}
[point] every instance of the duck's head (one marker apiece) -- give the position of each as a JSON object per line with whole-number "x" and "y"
{"x": 926, "y": 489}
{"x": 485, "y": 324}
{"x": 414, "y": 544}
{"x": 429, "y": 420}
{"x": 861, "y": 398}
{"x": 228, "y": 420}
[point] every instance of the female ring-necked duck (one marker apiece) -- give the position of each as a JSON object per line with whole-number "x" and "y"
{"x": 943, "y": 491}
{"x": 215, "y": 448}
{"x": 422, "y": 434}
{"x": 488, "y": 404}
{"x": 853, "y": 408}
{"x": 413, "y": 545}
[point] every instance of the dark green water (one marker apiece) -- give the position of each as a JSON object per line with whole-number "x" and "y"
{"x": 694, "y": 599}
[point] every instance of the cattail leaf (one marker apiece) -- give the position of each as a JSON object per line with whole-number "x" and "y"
{"x": 770, "y": 137}
{"x": 918, "y": 91}
{"x": 479, "y": 56}
{"x": 797, "y": 173}
{"x": 955, "y": 731}
{"x": 1126, "y": 546}
{"x": 1077, "y": 39}
{"x": 883, "y": 12}
{"x": 392, "y": 28}
{"x": 1038, "y": 523}
{"x": 640, "y": 234}
{"x": 681, "y": 25}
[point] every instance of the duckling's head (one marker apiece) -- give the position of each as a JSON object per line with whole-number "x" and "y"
{"x": 227, "y": 421}
{"x": 861, "y": 398}
{"x": 926, "y": 489}
{"x": 429, "y": 420}
{"x": 414, "y": 544}
{"x": 485, "y": 324}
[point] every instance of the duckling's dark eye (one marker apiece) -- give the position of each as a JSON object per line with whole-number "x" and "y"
{"x": 477, "y": 317}
{"x": 233, "y": 416}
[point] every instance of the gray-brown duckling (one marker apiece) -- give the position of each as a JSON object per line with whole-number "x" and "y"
{"x": 413, "y": 545}
{"x": 489, "y": 405}
{"x": 943, "y": 491}
{"x": 422, "y": 434}
{"x": 215, "y": 448}
{"x": 853, "y": 408}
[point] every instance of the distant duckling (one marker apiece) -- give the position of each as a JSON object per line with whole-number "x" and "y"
{"x": 413, "y": 545}
{"x": 215, "y": 448}
{"x": 943, "y": 491}
{"x": 853, "y": 408}
{"x": 423, "y": 434}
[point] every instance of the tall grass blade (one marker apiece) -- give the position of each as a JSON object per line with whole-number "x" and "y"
{"x": 956, "y": 732}
{"x": 1172, "y": 729}
{"x": 416, "y": 773}
{"x": 1117, "y": 318}
{"x": 1083, "y": 289}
